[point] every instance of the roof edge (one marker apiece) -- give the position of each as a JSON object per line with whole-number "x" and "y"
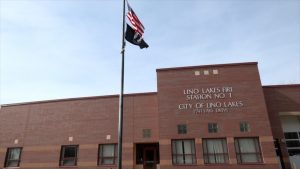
{"x": 205, "y": 66}
{"x": 283, "y": 85}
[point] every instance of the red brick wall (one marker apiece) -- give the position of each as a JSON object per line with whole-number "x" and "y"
{"x": 41, "y": 128}
{"x": 281, "y": 98}
{"x": 246, "y": 87}
{"x": 285, "y": 98}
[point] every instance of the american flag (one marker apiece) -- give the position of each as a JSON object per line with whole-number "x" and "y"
{"x": 134, "y": 20}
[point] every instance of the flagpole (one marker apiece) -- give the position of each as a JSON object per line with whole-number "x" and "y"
{"x": 120, "y": 127}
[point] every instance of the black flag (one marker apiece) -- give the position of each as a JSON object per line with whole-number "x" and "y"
{"x": 135, "y": 38}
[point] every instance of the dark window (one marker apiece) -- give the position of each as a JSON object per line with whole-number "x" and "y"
{"x": 68, "y": 155}
{"x": 13, "y": 157}
{"x": 247, "y": 150}
{"x": 183, "y": 152}
{"x": 215, "y": 151}
{"x": 293, "y": 152}
{"x": 146, "y": 133}
{"x": 244, "y": 127}
{"x": 291, "y": 135}
{"x": 212, "y": 127}
{"x": 292, "y": 142}
{"x": 181, "y": 129}
{"x": 107, "y": 154}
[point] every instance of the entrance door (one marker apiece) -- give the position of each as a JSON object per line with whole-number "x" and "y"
{"x": 150, "y": 158}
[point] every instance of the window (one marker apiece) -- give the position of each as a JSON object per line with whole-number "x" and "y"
{"x": 244, "y": 127}
{"x": 183, "y": 152}
{"x": 206, "y": 72}
{"x": 197, "y": 73}
{"x": 146, "y": 133}
{"x": 140, "y": 150}
{"x": 215, "y": 71}
{"x": 215, "y": 151}
{"x": 181, "y": 129}
{"x": 68, "y": 155}
{"x": 107, "y": 154}
{"x": 212, "y": 127}
{"x": 247, "y": 150}
{"x": 13, "y": 157}
{"x": 292, "y": 142}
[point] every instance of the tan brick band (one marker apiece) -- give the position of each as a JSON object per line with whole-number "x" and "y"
{"x": 127, "y": 162}
{"x": 87, "y": 164}
{"x": 198, "y": 141}
{"x": 55, "y": 147}
{"x": 41, "y": 148}
{"x": 2, "y": 150}
{"x": 127, "y": 145}
{"x": 55, "y": 165}
{"x": 38, "y": 165}
{"x": 266, "y": 139}
{"x": 165, "y": 162}
{"x": 232, "y": 161}
{"x": 230, "y": 140}
{"x": 200, "y": 161}
{"x": 165, "y": 142}
{"x": 271, "y": 160}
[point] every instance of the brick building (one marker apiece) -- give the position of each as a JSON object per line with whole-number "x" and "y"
{"x": 210, "y": 117}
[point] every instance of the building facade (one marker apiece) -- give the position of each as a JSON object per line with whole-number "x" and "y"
{"x": 210, "y": 117}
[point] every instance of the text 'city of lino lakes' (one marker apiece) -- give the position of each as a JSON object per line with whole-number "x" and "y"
{"x": 210, "y": 100}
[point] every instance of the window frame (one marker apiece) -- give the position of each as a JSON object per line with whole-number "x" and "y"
{"x": 62, "y": 153}
{"x": 146, "y": 133}
{"x": 8, "y": 160}
{"x": 224, "y": 148}
{"x": 257, "y": 152}
{"x": 100, "y": 157}
{"x": 213, "y": 127}
{"x": 181, "y": 129}
{"x": 290, "y": 138}
{"x": 244, "y": 127}
{"x": 174, "y": 154}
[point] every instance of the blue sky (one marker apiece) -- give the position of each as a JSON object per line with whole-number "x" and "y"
{"x": 52, "y": 49}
